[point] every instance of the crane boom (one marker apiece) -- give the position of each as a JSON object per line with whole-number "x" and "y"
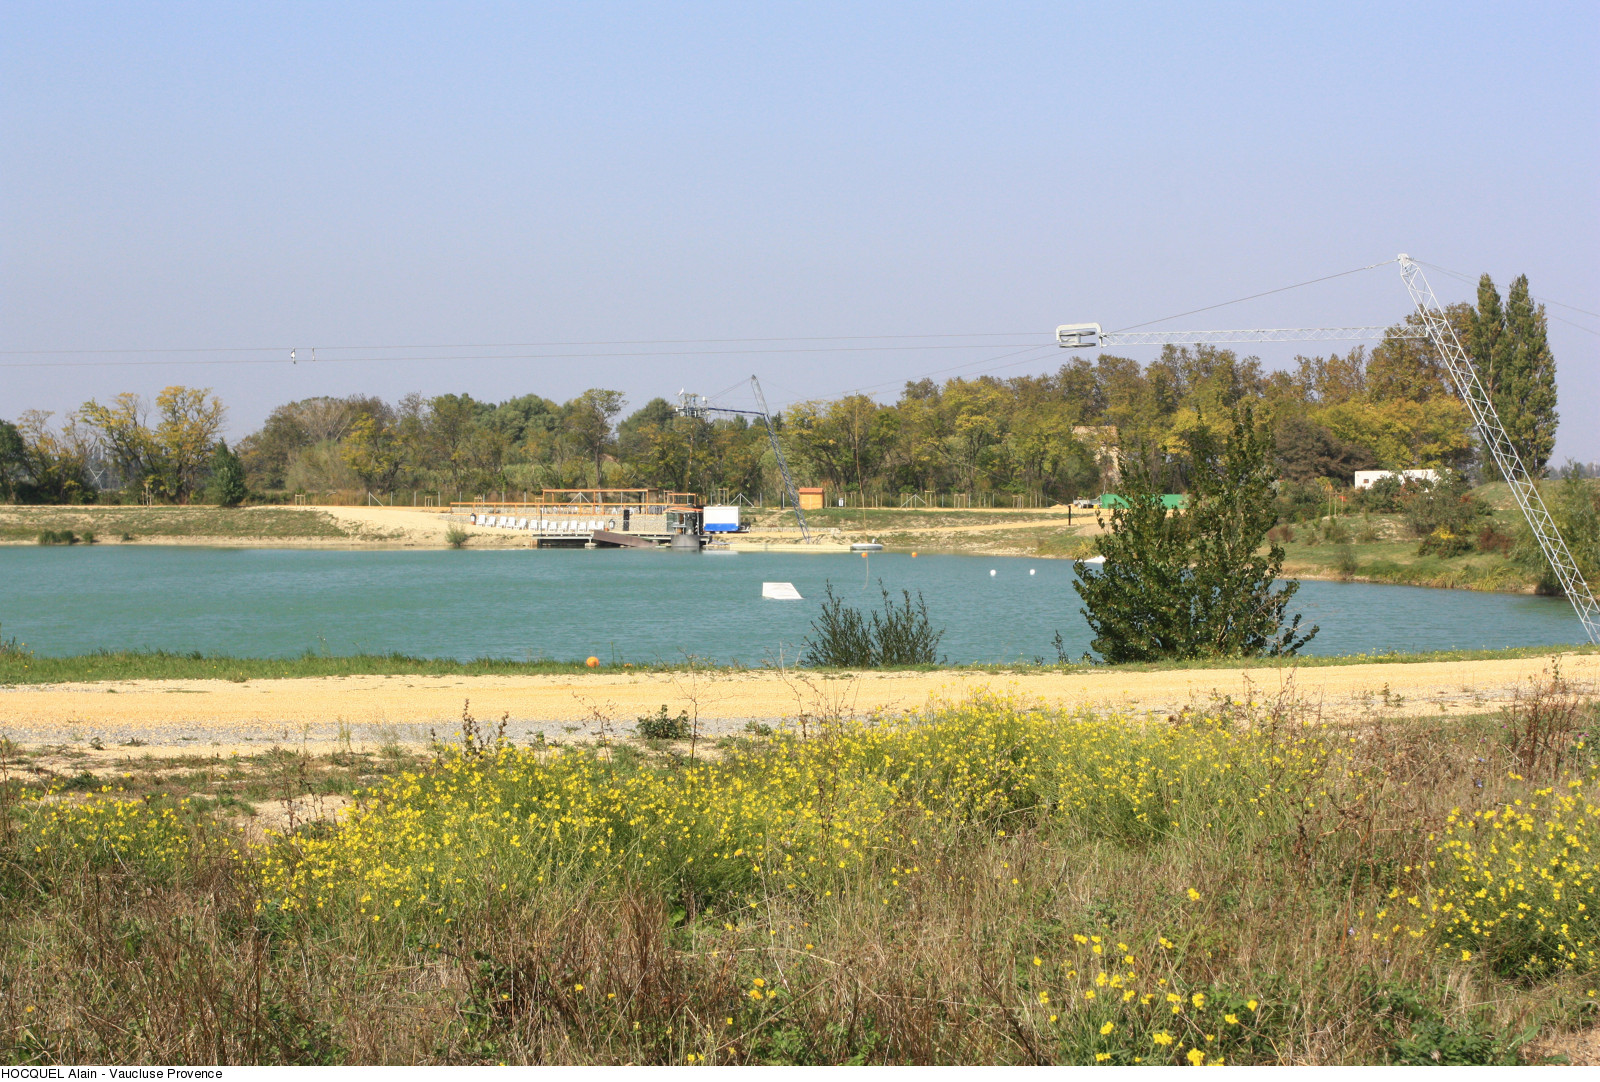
{"x": 1077, "y": 335}
{"x": 1504, "y": 452}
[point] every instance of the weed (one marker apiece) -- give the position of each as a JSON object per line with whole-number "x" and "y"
{"x": 456, "y": 537}
{"x": 663, "y": 726}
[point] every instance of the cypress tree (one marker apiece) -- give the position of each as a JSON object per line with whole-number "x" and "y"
{"x": 227, "y": 477}
{"x": 1485, "y": 338}
{"x": 1530, "y": 379}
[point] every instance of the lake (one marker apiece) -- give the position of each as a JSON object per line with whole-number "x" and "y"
{"x": 636, "y": 606}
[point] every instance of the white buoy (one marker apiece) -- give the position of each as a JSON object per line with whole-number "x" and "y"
{"x": 1030, "y": 570}
{"x": 991, "y": 572}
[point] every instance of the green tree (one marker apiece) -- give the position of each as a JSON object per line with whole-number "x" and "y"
{"x": 13, "y": 461}
{"x": 1486, "y": 339}
{"x": 1529, "y": 380}
{"x": 588, "y": 422}
{"x": 368, "y": 448}
{"x": 1575, "y": 507}
{"x": 55, "y": 465}
{"x": 123, "y": 438}
{"x": 185, "y": 437}
{"x": 1195, "y": 583}
{"x": 227, "y": 487}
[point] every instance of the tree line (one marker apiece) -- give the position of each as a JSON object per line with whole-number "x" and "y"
{"x": 1056, "y": 436}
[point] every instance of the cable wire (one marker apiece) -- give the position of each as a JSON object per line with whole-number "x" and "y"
{"x": 489, "y": 356}
{"x": 517, "y": 345}
{"x": 1469, "y": 280}
{"x": 1253, "y": 296}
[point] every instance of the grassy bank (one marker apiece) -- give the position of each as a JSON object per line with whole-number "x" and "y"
{"x": 115, "y": 523}
{"x": 981, "y": 885}
{"x": 17, "y": 668}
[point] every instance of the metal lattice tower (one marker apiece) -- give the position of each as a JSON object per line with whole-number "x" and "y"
{"x": 783, "y": 465}
{"x": 694, "y": 405}
{"x": 1494, "y": 437}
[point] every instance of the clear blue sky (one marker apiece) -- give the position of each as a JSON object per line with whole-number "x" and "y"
{"x": 238, "y": 175}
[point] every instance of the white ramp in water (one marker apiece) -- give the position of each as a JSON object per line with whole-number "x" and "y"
{"x": 780, "y": 591}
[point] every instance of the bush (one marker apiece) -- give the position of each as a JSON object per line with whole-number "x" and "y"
{"x": 1334, "y": 531}
{"x": 1442, "y": 542}
{"x": 1195, "y": 583}
{"x": 1386, "y": 496}
{"x": 1345, "y": 563}
{"x": 1519, "y": 883}
{"x": 901, "y": 634}
{"x": 1575, "y": 507}
{"x": 1491, "y": 539}
{"x": 1449, "y": 505}
{"x": 58, "y": 537}
{"x": 456, "y": 537}
{"x": 663, "y": 726}
{"x": 1299, "y": 501}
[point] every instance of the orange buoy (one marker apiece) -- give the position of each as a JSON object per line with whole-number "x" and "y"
{"x": 913, "y": 556}
{"x": 593, "y": 663}
{"x": 863, "y": 556}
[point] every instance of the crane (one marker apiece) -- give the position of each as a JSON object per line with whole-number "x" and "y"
{"x": 694, "y": 405}
{"x": 1436, "y": 328}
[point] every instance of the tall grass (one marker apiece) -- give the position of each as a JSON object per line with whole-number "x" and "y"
{"x": 984, "y": 883}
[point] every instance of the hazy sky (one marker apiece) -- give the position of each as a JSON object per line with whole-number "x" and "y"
{"x": 228, "y": 176}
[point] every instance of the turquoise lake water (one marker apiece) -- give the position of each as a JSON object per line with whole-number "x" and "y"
{"x": 633, "y": 605}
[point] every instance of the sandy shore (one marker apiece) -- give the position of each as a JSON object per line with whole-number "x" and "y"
{"x": 374, "y": 710}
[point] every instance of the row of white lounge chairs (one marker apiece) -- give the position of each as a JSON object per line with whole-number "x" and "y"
{"x": 542, "y": 525}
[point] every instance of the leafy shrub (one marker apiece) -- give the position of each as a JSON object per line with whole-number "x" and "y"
{"x": 1417, "y": 1034}
{"x": 1334, "y": 531}
{"x": 1491, "y": 539}
{"x": 1575, "y": 506}
{"x": 1299, "y": 501}
{"x": 1385, "y": 496}
{"x": 1442, "y": 542}
{"x": 456, "y": 537}
{"x": 58, "y": 537}
{"x": 1345, "y": 563}
{"x": 902, "y": 634}
{"x": 1449, "y": 505}
{"x": 663, "y": 726}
